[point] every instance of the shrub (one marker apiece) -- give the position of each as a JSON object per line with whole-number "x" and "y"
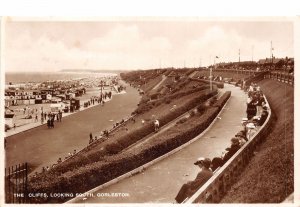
{"x": 167, "y": 101}
{"x": 113, "y": 148}
{"x": 157, "y": 103}
{"x": 154, "y": 96}
{"x": 192, "y": 113}
{"x": 201, "y": 108}
{"x": 182, "y": 120}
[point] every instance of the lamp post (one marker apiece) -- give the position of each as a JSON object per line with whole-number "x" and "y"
{"x": 101, "y": 85}
{"x": 210, "y": 73}
{"x": 210, "y": 76}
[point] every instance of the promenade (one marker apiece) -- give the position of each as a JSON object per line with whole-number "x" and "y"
{"x": 24, "y": 125}
{"x": 41, "y": 147}
{"x": 161, "y": 182}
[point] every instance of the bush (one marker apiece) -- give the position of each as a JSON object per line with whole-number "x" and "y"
{"x": 192, "y": 113}
{"x": 167, "y": 101}
{"x": 201, "y": 108}
{"x": 182, "y": 120}
{"x": 113, "y": 148}
{"x": 154, "y": 96}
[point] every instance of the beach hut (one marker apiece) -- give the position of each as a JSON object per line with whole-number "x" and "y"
{"x": 48, "y": 96}
{"x": 56, "y": 107}
{"x": 75, "y": 104}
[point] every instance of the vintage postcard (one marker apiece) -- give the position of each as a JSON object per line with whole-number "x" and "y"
{"x": 148, "y": 110}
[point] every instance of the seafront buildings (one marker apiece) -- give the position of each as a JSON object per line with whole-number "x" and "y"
{"x": 52, "y": 91}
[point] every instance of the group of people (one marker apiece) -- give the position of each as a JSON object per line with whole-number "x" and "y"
{"x": 256, "y": 102}
{"x": 104, "y": 133}
{"x": 94, "y": 100}
{"x": 208, "y": 166}
{"x": 51, "y": 118}
{"x": 189, "y": 188}
{"x": 255, "y": 118}
{"x": 91, "y": 140}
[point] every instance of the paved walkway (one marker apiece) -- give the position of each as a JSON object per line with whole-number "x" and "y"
{"x": 32, "y": 125}
{"x": 161, "y": 182}
{"x": 193, "y": 74}
{"x": 157, "y": 85}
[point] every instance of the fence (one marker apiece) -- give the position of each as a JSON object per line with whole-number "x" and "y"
{"x": 246, "y": 72}
{"x": 216, "y": 187}
{"x": 279, "y": 76}
{"x": 282, "y": 77}
{"x": 16, "y": 179}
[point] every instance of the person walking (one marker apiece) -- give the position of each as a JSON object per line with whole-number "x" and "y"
{"x": 60, "y": 116}
{"x": 48, "y": 123}
{"x": 156, "y": 125}
{"x": 189, "y": 188}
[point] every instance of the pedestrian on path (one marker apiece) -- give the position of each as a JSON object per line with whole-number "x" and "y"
{"x": 230, "y": 151}
{"x": 60, "y": 115}
{"x": 188, "y": 189}
{"x": 48, "y": 124}
{"x": 156, "y": 125}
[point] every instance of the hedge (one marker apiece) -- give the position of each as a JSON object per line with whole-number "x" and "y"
{"x": 222, "y": 100}
{"x": 87, "y": 177}
{"x": 218, "y": 84}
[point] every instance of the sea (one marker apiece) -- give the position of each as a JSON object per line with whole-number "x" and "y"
{"x": 37, "y": 77}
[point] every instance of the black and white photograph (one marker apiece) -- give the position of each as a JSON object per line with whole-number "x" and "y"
{"x": 148, "y": 110}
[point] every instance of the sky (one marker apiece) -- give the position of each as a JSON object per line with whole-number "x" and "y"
{"x": 120, "y": 44}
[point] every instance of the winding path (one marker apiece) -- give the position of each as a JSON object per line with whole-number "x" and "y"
{"x": 157, "y": 85}
{"x": 160, "y": 182}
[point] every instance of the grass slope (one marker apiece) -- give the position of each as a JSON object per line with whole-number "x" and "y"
{"x": 269, "y": 177}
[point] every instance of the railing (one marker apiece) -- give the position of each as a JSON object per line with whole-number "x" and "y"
{"x": 246, "y": 72}
{"x": 216, "y": 187}
{"x": 16, "y": 179}
{"x": 282, "y": 77}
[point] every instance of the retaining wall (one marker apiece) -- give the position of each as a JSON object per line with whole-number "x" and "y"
{"x": 217, "y": 186}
